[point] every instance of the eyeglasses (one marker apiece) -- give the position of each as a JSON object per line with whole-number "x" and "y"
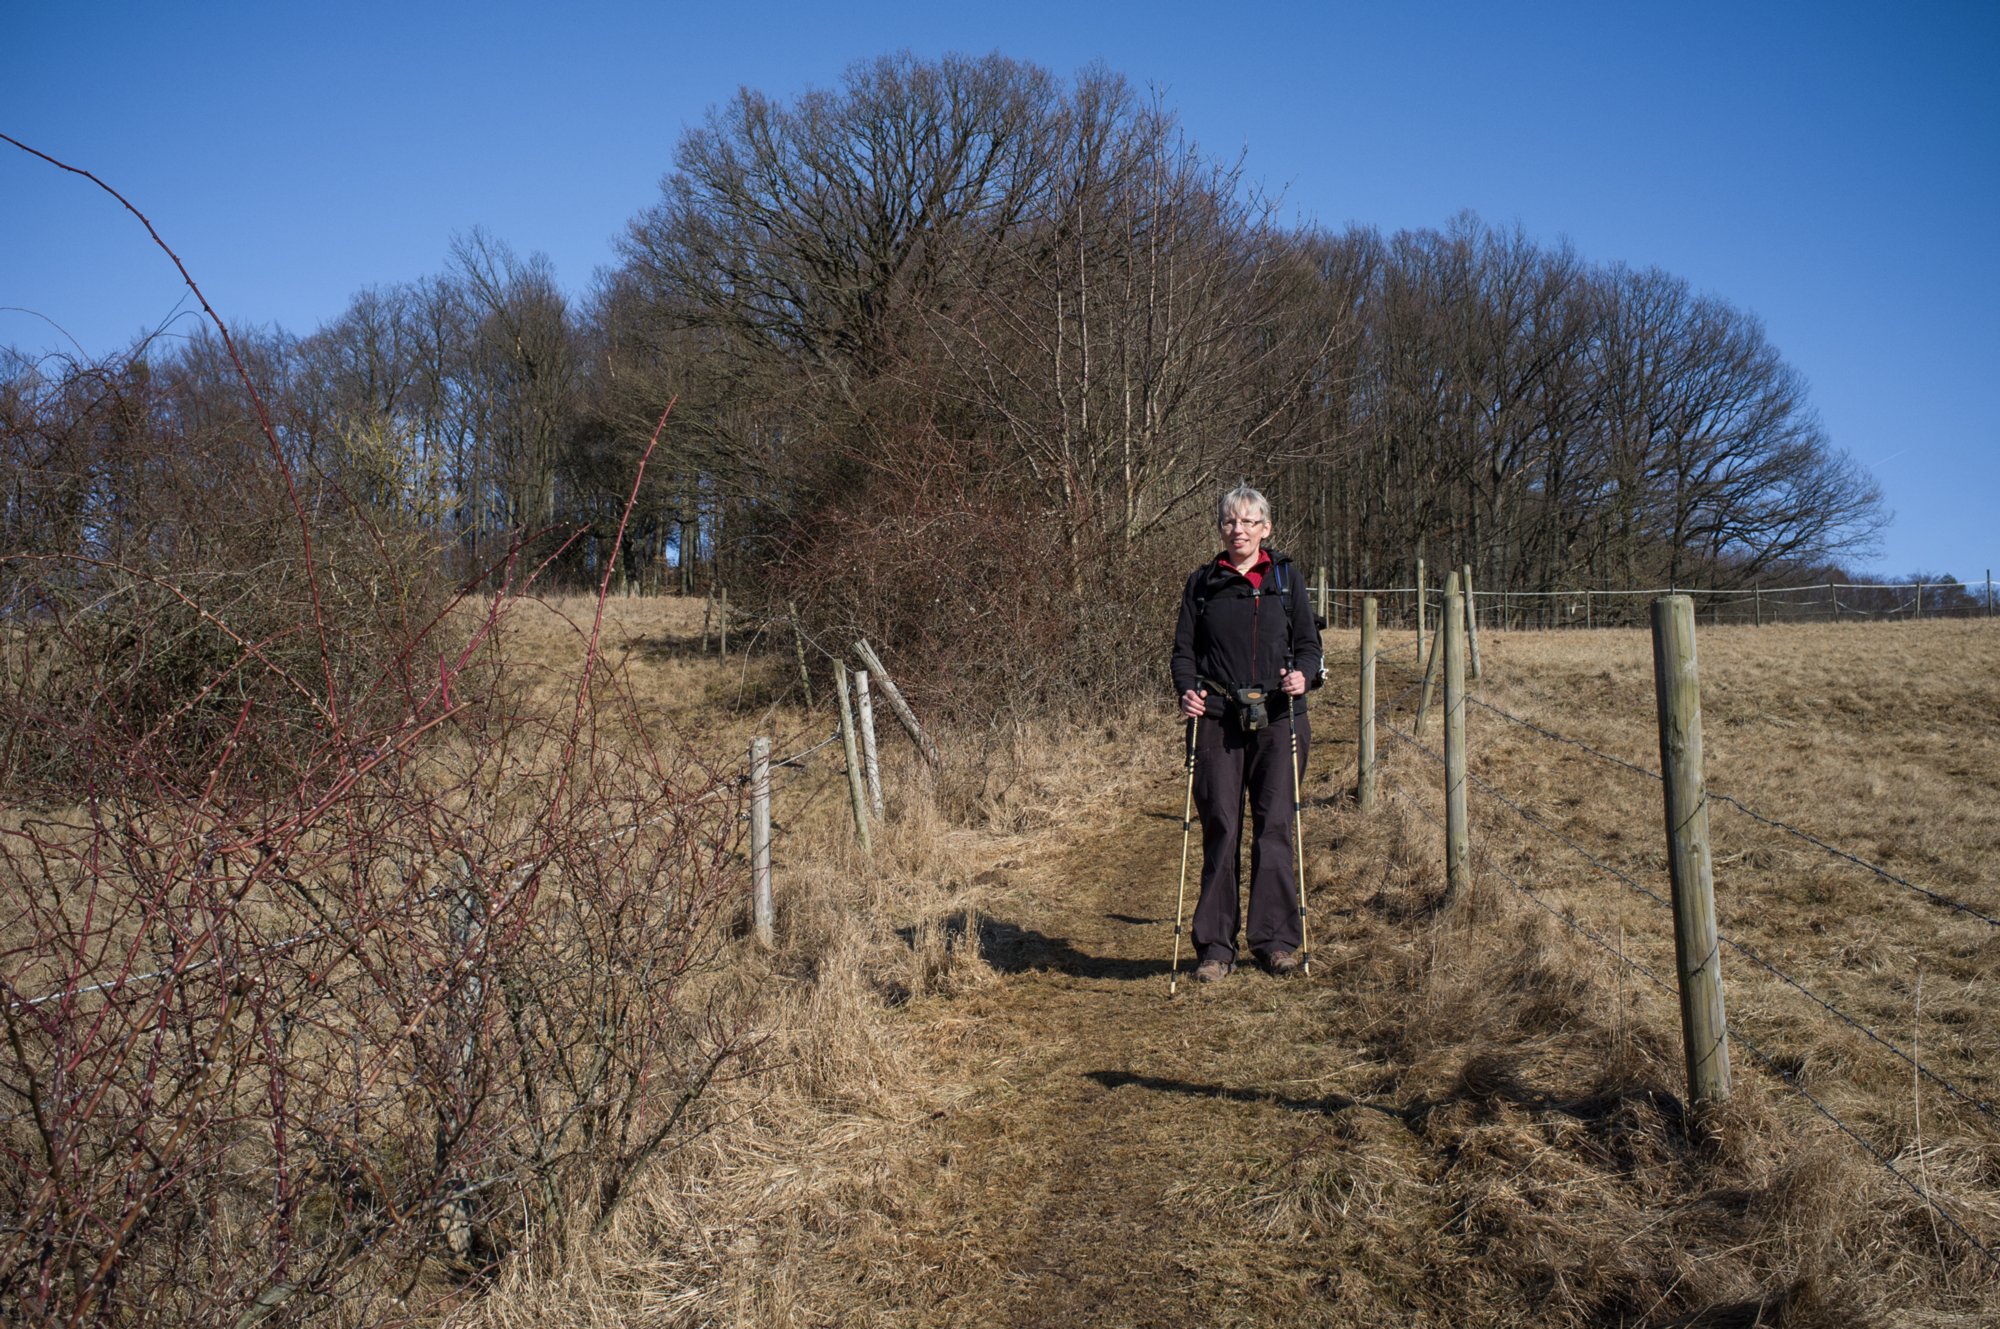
{"x": 1247, "y": 523}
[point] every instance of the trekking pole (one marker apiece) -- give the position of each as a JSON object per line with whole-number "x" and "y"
{"x": 1187, "y": 824}
{"x": 1299, "y": 839}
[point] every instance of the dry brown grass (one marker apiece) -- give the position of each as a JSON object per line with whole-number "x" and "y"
{"x": 976, "y": 1106}
{"x": 1886, "y": 744}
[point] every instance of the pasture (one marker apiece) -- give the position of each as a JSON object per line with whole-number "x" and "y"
{"x": 955, "y": 1090}
{"x": 984, "y": 1109}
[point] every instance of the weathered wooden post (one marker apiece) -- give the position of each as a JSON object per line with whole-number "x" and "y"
{"x": 1420, "y": 609}
{"x": 1325, "y": 599}
{"x": 1989, "y": 592}
{"x": 855, "y": 795}
{"x": 1430, "y": 687}
{"x": 466, "y": 921}
{"x": 1471, "y": 616}
{"x": 1457, "y": 835}
{"x": 760, "y": 840}
{"x": 1586, "y": 606}
{"x": 722, "y": 621}
{"x": 1677, "y": 684}
{"x": 1364, "y": 783}
{"x": 799, "y": 650}
{"x": 1757, "y": 603}
{"x": 1918, "y": 611}
{"x": 707, "y": 612}
{"x": 864, "y": 710}
{"x": 904, "y": 715}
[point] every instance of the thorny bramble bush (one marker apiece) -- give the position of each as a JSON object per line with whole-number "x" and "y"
{"x": 334, "y": 968}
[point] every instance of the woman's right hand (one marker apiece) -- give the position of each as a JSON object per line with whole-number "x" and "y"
{"x": 1194, "y": 703}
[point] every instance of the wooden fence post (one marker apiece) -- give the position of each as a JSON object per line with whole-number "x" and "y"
{"x": 855, "y": 794}
{"x": 1325, "y": 599}
{"x": 864, "y": 710}
{"x": 1457, "y": 837}
{"x": 1677, "y": 684}
{"x": 466, "y": 919}
{"x": 1364, "y": 782}
{"x": 722, "y": 621}
{"x": 760, "y": 840}
{"x": 1420, "y": 609}
{"x": 901, "y": 708}
{"x": 1471, "y": 616}
{"x": 799, "y": 650}
{"x": 1757, "y": 603}
{"x": 707, "y": 612}
{"x": 1430, "y": 686}
{"x": 1918, "y": 612}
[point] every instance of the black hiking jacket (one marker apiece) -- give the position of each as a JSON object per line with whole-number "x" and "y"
{"x": 1231, "y": 634}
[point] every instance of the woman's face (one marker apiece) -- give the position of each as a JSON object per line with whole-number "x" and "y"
{"x": 1243, "y": 530}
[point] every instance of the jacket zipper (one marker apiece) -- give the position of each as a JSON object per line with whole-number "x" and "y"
{"x": 1256, "y": 603}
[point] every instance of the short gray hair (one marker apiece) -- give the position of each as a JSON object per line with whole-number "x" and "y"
{"x": 1242, "y": 497}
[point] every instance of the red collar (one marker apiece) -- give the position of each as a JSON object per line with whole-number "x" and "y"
{"x": 1255, "y": 576}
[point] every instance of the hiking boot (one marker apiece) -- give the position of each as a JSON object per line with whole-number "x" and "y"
{"x": 1212, "y": 971}
{"x": 1282, "y": 964}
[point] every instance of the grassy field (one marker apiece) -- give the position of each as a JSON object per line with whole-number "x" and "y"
{"x": 1883, "y": 745}
{"x": 975, "y": 1104}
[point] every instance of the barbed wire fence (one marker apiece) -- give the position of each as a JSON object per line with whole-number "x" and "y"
{"x": 1599, "y": 607}
{"x": 1787, "y": 1071}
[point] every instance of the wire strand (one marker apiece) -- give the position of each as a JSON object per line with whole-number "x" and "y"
{"x": 1934, "y": 896}
{"x": 1562, "y": 738}
{"x": 1790, "y": 1082}
{"x": 1741, "y": 948}
{"x": 1582, "y": 929}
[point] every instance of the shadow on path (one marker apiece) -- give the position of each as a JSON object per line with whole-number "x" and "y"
{"x": 1013, "y": 949}
{"x": 1482, "y": 1082}
{"x": 1325, "y": 1105}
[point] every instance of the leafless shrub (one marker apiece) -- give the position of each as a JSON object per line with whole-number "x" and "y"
{"x": 335, "y": 968}
{"x": 179, "y": 603}
{"x": 382, "y": 1027}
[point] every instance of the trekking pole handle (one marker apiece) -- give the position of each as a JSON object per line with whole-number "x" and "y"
{"x": 1191, "y": 723}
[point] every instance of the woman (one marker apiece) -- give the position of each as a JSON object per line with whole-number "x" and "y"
{"x": 1244, "y": 650}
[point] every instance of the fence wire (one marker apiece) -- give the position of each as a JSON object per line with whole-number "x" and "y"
{"x": 1936, "y": 897}
{"x": 1563, "y": 738}
{"x": 1582, "y": 929}
{"x": 1770, "y": 1063}
{"x": 1982, "y": 1106}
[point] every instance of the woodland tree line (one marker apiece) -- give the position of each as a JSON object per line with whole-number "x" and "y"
{"x": 960, "y": 353}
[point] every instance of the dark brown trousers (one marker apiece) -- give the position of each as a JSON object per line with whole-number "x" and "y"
{"x": 1228, "y": 765}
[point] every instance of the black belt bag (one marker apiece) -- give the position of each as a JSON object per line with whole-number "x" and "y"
{"x": 1249, "y": 706}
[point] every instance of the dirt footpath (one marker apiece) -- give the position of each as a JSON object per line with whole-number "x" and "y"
{"x": 1469, "y": 1115}
{"x": 1124, "y": 1159}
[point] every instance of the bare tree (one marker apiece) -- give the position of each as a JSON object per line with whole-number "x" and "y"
{"x": 1132, "y": 347}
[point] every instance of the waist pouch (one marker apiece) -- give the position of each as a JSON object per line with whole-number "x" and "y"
{"x": 1249, "y": 705}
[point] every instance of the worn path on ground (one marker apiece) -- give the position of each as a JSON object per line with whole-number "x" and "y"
{"x": 1124, "y": 1159}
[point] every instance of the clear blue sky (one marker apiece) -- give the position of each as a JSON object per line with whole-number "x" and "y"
{"x": 1832, "y": 167}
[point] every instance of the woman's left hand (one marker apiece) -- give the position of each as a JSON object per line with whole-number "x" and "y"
{"x": 1292, "y": 683}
